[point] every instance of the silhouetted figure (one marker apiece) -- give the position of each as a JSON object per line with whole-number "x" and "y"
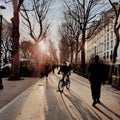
{"x": 64, "y": 69}
{"x": 70, "y": 68}
{"x": 96, "y": 78}
{"x": 53, "y": 68}
{"x": 46, "y": 69}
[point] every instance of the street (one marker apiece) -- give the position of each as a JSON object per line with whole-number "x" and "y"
{"x": 42, "y": 101}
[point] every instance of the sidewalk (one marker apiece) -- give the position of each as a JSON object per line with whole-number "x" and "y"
{"x": 44, "y": 100}
{"x": 107, "y": 86}
{"x": 13, "y": 88}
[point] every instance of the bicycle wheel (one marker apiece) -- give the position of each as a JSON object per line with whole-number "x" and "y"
{"x": 61, "y": 85}
{"x": 68, "y": 84}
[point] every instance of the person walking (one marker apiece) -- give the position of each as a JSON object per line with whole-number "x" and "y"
{"x": 46, "y": 69}
{"x": 96, "y": 78}
{"x": 53, "y": 68}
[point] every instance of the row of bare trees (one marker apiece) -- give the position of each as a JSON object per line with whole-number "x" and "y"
{"x": 79, "y": 15}
{"x": 116, "y": 10}
{"x": 79, "y": 18}
{"x": 6, "y": 42}
{"x": 36, "y": 9}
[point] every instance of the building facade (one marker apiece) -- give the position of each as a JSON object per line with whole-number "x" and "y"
{"x": 103, "y": 40}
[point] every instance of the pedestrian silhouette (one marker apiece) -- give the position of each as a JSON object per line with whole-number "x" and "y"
{"x": 96, "y": 78}
{"x": 53, "y": 68}
{"x": 46, "y": 69}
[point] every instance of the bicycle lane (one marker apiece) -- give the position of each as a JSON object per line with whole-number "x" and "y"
{"x": 26, "y": 106}
{"x": 75, "y": 105}
{"x": 39, "y": 102}
{"x": 109, "y": 109}
{"x": 43, "y": 102}
{"x": 79, "y": 101}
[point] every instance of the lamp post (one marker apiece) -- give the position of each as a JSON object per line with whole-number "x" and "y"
{"x": 1, "y": 84}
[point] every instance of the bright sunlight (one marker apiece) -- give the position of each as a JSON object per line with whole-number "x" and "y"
{"x": 43, "y": 46}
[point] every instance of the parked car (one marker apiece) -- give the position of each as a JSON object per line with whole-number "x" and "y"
{"x": 26, "y": 68}
{"x": 5, "y": 70}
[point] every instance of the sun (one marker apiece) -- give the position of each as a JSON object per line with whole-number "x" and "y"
{"x": 43, "y": 46}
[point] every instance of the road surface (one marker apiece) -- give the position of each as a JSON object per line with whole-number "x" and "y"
{"x": 42, "y": 101}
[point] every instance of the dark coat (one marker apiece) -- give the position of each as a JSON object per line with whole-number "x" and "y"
{"x": 96, "y": 73}
{"x": 64, "y": 69}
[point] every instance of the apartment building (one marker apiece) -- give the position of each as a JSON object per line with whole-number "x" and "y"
{"x": 103, "y": 40}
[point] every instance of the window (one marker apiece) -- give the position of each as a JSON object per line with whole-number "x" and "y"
{"x": 108, "y": 28}
{"x": 107, "y": 37}
{"x": 111, "y": 44}
{"x": 107, "y": 54}
{"x": 111, "y": 34}
{"x": 107, "y": 45}
{"x": 111, "y": 55}
{"x": 112, "y": 24}
{"x": 104, "y": 56}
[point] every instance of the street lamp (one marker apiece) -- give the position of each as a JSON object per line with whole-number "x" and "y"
{"x": 1, "y": 84}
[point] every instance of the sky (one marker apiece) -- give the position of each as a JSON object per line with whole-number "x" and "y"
{"x": 55, "y": 10}
{"x": 7, "y": 13}
{"x": 55, "y": 17}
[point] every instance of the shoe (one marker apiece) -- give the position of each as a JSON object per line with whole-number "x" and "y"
{"x": 98, "y": 101}
{"x": 94, "y": 103}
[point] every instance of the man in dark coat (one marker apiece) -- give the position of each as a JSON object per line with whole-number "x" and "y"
{"x": 47, "y": 66}
{"x": 96, "y": 78}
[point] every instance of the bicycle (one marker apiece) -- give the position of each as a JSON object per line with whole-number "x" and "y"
{"x": 62, "y": 83}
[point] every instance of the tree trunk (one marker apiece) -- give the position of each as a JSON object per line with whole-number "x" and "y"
{"x": 71, "y": 54}
{"x": 83, "y": 66}
{"x": 116, "y": 46}
{"x": 76, "y": 54}
{"x": 14, "y": 74}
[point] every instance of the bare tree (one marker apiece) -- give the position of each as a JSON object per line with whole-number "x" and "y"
{"x": 14, "y": 74}
{"x": 67, "y": 42}
{"x": 40, "y": 9}
{"x": 27, "y": 49}
{"x": 74, "y": 34}
{"x": 64, "y": 50}
{"x": 82, "y": 11}
{"x": 53, "y": 52}
{"x": 116, "y": 10}
{"x": 7, "y": 43}
{"x": 34, "y": 18}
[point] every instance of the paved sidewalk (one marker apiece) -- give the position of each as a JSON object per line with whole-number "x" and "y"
{"x": 43, "y": 100}
{"x": 13, "y": 88}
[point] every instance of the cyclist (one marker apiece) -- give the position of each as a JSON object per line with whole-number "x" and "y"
{"x": 65, "y": 70}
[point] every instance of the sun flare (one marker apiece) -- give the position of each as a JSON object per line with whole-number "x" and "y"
{"x": 43, "y": 46}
